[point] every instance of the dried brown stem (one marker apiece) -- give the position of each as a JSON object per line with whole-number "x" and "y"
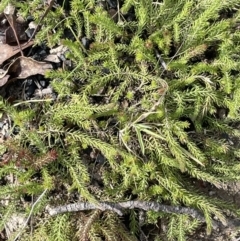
{"x": 11, "y": 20}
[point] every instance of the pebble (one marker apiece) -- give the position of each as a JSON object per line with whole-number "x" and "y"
{"x": 100, "y": 159}
{"x": 43, "y": 53}
{"x": 30, "y": 90}
{"x": 30, "y": 18}
{"x": 16, "y": 130}
{"x": 29, "y": 82}
{"x": 43, "y": 83}
{"x": 52, "y": 58}
{"x": 86, "y": 42}
{"x": 112, "y": 3}
{"x": 32, "y": 25}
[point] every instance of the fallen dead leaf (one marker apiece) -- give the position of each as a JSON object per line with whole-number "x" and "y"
{"x": 4, "y": 80}
{"x": 7, "y": 51}
{"x": 23, "y": 67}
{"x": 20, "y": 31}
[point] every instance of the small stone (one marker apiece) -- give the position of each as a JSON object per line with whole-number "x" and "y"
{"x": 100, "y": 158}
{"x": 54, "y": 96}
{"x": 86, "y": 42}
{"x": 29, "y": 82}
{"x": 30, "y": 18}
{"x": 61, "y": 57}
{"x": 43, "y": 83}
{"x": 16, "y": 130}
{"x": 42, "y": 53}
{"x": 112, "y": 3}
{"x": 30, "y": 90}
{"x": 52, "y": 58}
{"x": 32, "y": 25}
{"x": 29, "y": 32}
{"x": 59, "y": 49}
{"x": 4, "y": 21}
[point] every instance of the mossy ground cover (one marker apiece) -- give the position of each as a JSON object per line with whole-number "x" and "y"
{"x": 144, "y": 107}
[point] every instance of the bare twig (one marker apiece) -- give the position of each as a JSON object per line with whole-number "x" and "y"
{"x": 75, "y": 207}
{"x": 117, "y": 207}
{"x": 51, "y": 3}
{"x": 11, "y": 18}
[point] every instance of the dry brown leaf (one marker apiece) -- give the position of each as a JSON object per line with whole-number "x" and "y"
{"x": 22, "y": 68}
{"x": 4, "y": 80}
{"x": 7, "y": 51}
{"x": 20, "y": 31}
{"x": 10, "y": 15}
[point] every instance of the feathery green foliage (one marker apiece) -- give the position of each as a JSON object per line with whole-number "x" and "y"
{"x": 155, "y": 95}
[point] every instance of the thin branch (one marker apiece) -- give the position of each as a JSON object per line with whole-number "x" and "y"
{"x": 11, "y": 18}
{"x": 75, "y": 207}
{"x": 117, "y": 207}
{"x": 50, "y": 5}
